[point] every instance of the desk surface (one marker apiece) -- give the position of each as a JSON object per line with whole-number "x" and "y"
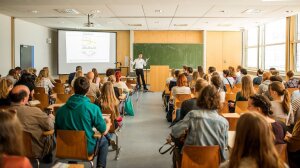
{"x": 230, "y": 115}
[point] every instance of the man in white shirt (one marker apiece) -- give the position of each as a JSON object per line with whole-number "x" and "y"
{"x": 139, "y": 65}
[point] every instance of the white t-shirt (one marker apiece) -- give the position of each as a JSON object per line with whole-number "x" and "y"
{"x": 230, "y": 79}
{"x": 139, "y": 63}
{"x": 279, "y": 114}
{"x": 121, "y": 85}
{"x": 180, "y": 90}
{"x": 45, "y": 83}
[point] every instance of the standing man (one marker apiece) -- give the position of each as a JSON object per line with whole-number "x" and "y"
{"x": 139, "y": 65}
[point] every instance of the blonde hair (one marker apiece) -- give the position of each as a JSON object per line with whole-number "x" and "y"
{"x": 42, "y": 75}
{"x": 108, "y": 98}
{"x": 79, "y": 74}
{"x": 5, "y": 85}
{"x": 247, "y": 87}
{"x": 266, "y": 76}
{"x": 254, "y": 139}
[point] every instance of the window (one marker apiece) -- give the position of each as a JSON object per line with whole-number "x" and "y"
{"x": 298, "y": 58}
{"x": 252, "y": 48}
{"x": 297, "y": 55}
{"x": 275, "y": 34}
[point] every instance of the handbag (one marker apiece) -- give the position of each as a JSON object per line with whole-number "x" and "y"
{"x": 129, "y": 107}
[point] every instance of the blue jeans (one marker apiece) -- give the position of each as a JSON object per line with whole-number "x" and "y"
{"x": 102, "y": 152}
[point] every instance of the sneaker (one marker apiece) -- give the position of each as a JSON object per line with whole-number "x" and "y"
{"x": 145, "y": 89}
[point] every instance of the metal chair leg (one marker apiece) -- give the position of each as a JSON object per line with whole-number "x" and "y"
{"x": 92, "y": 163}
{"x": 38, "y": 163}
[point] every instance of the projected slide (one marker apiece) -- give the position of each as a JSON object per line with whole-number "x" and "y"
{"x": 87, "y": 47}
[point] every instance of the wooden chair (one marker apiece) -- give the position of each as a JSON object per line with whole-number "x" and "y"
{"x": 256, "y": 87}
{"x": 27, "y": 141}
{"x": 113, "y": 130}
{"x": 44, "y": 100}
{"x": 39, "y": 90}
{"x": 59, "y": 88}
{"x": 62, "y": 98}
{"x": 178, "y": 101}
{"x": 282, "y": 151}
{"x": 232, "y": 119}
{"x": 228, "y": 88}
{"x": 92, "y": 98}
{"x": 230, "y": 96}
{"x": 200, "y": 156}
{"x": 241, "y": 107}
{"x": 71, "y": 144}
{"x": 57, "y": 81}
{"x": 291, "y": 90}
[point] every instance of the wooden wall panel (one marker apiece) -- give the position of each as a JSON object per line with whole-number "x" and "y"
{"x": 214, "y": 49}
{"x": 168, "y": 37}
{"x": 123, "y": 46}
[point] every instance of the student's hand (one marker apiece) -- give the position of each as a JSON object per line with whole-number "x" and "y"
{"x": 147, "y": 59}
{"x": 287, "y": 136}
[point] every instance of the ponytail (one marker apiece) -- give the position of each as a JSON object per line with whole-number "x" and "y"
{"x": 286, "y": 103}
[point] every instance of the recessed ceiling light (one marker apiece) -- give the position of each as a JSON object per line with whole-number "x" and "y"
{"x": 222, "y": 11}
{"x": 289, "y": 11}
{"x": 35, "y": 11}
{"x": 96, "y": 11}
{"x": 252, "y": 11}
{"x": 158, "y": 11}
{"x": 67, "y": 11}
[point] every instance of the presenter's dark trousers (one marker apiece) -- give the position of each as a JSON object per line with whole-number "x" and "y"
{"x": 140, "y": 74}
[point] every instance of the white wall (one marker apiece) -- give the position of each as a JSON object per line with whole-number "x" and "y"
{"x": 45, "y": 54}
{"x": 5, "y": 42}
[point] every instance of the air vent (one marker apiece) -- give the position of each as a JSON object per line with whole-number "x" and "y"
{"x": 134, "y": 24}
{"x": 180, "y": 25}
{"x": 68, "y": 11}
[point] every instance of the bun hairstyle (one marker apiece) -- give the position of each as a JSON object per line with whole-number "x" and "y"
{"x": 279, "y": 88}
{"x": 263, "y": 103}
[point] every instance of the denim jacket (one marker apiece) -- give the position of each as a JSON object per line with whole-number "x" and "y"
{"x": 205, "y": 128}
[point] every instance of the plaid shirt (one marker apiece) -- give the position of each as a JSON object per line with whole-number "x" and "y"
{"x": 292, "y": 83}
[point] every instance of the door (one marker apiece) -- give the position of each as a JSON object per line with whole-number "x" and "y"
{"x": 26, "y": 56}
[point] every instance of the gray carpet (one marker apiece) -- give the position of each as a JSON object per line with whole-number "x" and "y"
{"x": 142, "y": 135}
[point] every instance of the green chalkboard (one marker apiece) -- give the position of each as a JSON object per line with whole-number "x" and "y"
{"x": 174, "y": 55}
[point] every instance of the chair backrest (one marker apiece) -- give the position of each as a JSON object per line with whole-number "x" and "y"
{"x": 230, "y": 96}
{"x": 183, "y": 97}
{"x": 228, "y": 88}
{"x": 59, "y": 88}
{"x": 241, "y": 106}
{"x": 39, "y": 90}
{"x": 112, "y": 117}
{"x": 57, "y": 81}
{"x": 44, "y": 100}
{"x": 291, "y": 90}
{"x": 71, "y": 144}
{"x": 282, "y": 151}
{"x": 27, "y": 144}
{"x": 200, "y": 156}
{"x": 63, "y": 98}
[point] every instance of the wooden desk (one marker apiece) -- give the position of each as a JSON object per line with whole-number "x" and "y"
{"x": 232, "y": 119}
{"x": 55, "y": 105}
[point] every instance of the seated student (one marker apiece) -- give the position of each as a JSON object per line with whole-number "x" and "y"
{"x": 43, "y": 81}
{"x": 217, "y": 82}
{"x": 48, "y": 74}
{"x": 78, "y": 74}
{"x": 5, "y": 87}
{"x": 181, "y": 87}
{"x": 72, "y": 75}
{"x": 227, "y": 79}
{"x": 189, "y": 75}
{"x": 205, "y": 127}
{"x": 12, "y": 76}
{"x": 257, "y": 80}
{"x": 184, "y": 69}
{"x": 191, "y": 104}
{"x": 195, "y": 76}
{"x": 94, "y": 88}
{"x": 271, "y": 70}
{"x": 296, "y": 93}
{"x": 11, "y": 142}
{"x": 112, "y": 79}
{"x": 292, "y": 82}
{"x": 262, "y": 105}
{"x": 107, "y": 74}
{"x": 263, "y": 87}
{"x": 247, "y": 89}
{"x": 293, "y": 146}
{"x": 120, "y": 84}
{"x": 211, "y": 70}
{"x": 274, "y": 78}
{"x": 281, "y": 104}
{"x": 171, "y": 77}
{"x": 253, "y": 144}
{"x": 96, "y": 79}
{"x": 296, "y": 103}
{"x": 80, "y": 114}
{"x": 239, "y": 78}
{"x": 32, "y": 71}
{"x": 26, "y": 79}
{"x": 238, "y": 70}
{"x": 173, "y": 82}
{"x": 33, "y": 120}
{"x": 201, "y": 73}
{"x": 232, "y": 72}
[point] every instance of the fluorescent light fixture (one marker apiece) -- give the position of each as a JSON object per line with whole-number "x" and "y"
{"x": 224, "y": 25}
{"x": 252, "y": 11}
{"x": 96, "y": 11}
{"x": 134, "y": 24}
{"x": 180, "y": 25}
{"x": 35, "y": 11}
{"x": 67, "y": 11}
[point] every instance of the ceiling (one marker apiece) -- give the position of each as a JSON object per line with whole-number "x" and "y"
{"x": 151, "y": 14}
